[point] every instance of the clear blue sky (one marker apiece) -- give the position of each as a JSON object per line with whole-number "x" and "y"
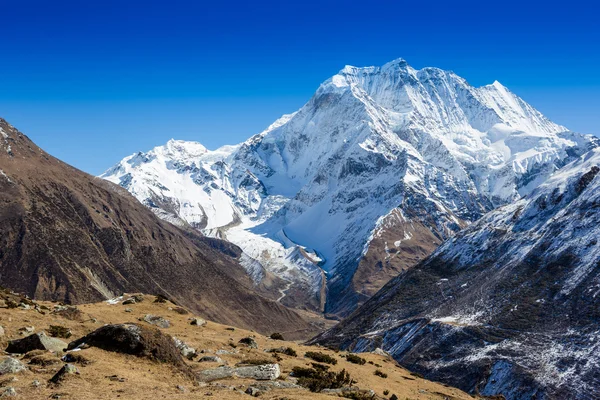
{"x": 94, "y": 81}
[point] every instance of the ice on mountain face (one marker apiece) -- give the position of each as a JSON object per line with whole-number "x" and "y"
{"x": 370, "y": 141}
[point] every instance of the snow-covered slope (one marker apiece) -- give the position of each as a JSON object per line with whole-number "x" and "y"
{"x": 380, "y": 156}
{"x": 510, "y": 305}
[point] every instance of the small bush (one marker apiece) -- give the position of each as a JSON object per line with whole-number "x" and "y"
{"x": 386, "y": 392}
{"x": 277, "y": 336}
{"x": 230, "y": 329}
{"x": 320, "y": 357}
{"x": 354, "y": 359}
{"x": 318, "y": 379}
{"x": 380, "y": 373}
{"x": 181, "y": 311}
{"x": 393, "y": 397}
{"x": 59, "y": 331}
{"x": 290, "y": 352}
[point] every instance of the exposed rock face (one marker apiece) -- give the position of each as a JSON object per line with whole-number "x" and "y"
{"x": 67, "y": 236}
{"x": 37, "y": 341}
{"x": 157, "y": 321}
{"x": 508, "y": 306}
{"x": 380, "y": 166}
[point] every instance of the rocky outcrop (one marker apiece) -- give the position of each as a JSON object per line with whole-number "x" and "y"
{"x": 37, "y": 341}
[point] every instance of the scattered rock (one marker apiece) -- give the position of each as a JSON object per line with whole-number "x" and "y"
{"x": 160, "y": 299}
{"x": 181, "y": 388}
{"x": 8, "y": 392}
{"x": 35, "y": 383}
{"x": 252, "y": 391}
{"x": 198, "y": 322}
{"x": 37, "y": 341}
{"x": 211, "y": 359}
{"x": 186, "y": 351}
{"x": 181, "y": 310}
{"x": 63, "y": 373}
{"x": 27, "y": 329}
{"x": 11, "y": 366}
{"x": 116, "y": 378}
{"x": 129, "y": 310}
{"x": 129, "y": 301}
{"x": 24, "y": 306}
{"x": 156, "y": 320}
{"x": 250, "y": 342}
{"x": 135, "y": 339}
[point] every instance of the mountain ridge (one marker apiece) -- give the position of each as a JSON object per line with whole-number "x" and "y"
{"x": 378, "y": 156}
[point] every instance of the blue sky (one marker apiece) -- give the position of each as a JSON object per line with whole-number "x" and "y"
{"x": 92, "y": 82}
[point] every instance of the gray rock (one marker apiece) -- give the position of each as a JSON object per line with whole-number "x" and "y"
{"x": 11, "y": 366}
{"x": 66, "y": 370}
{"x": 256, "y": 372}
{"x": 252, "y": 391}
{"x": 211, "y": 359}
{"x": 157, "y": 321}
{"x": 37, "y": 341}
{"x": 259, "y": 372}
{"x": 129, "y": 310}
{"x": 129, "y": 301}
{"x": 198, "y": 322}
{"x": 2, "y": 333}
{"x": 186, "y": 351}
{"x": 8, "y": 392}
{"x": 27, "y": 329}
{"x": 209, "y": 375}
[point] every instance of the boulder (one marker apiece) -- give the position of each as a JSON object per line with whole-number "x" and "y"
{"x": 11, "y": 366}
{"x": 256, "y": 372}
{"x": 198, "y": 322}
{"x": 37, "y": 341}
{"x": 250, "y": 342}
{"x": 157, "y": 321}
{"x": 8, "y": 392}
{"x": 138, "y": 340}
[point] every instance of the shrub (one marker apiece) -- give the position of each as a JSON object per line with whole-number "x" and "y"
{"x": 320, "y": 357}
{"x": 380, "y": 373}
{"x": 354, "y": 359}
{"x": 59, "y": 331}
{"x": 277, "y": 336}
{"x": 394, "y": 397}
{"x": 318, "y": 379}
{"x": 386, "y": 392}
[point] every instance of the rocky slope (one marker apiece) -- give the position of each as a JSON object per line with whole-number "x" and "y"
{"x": 154, "y": 364}
{"x": 510, "y": 305}
{"x": 67, "y": 236}
{"x": 377, "y": 169}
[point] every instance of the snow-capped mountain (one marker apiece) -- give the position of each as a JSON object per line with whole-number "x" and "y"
{"x": 510, "y": 305}
{"x": 364, "y": 181}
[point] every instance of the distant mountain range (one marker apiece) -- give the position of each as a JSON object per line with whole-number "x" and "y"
{"x": 363, "y": 182}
